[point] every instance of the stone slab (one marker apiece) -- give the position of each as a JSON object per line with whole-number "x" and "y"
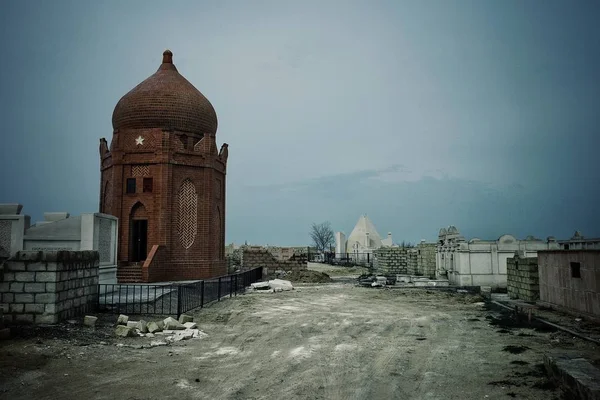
{"x": 577, "y": 377}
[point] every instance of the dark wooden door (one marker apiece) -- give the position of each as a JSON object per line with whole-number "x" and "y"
{"x": 139, "y": 239}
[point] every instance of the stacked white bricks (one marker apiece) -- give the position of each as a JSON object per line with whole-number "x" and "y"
{"x": 47, "y": 287}
{"x": 426, "y": 260}
{"x": 391, "y": 261}
{"x": 523, "y": 278}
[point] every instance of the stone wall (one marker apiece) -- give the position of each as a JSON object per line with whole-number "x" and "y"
{"x": 523, "y": 280}
{"x": 426, "y": 260}
{"x": 570, "y": 280}
{"x": 47, "y": 287}
{"x": 391, "y": 261}
{"x": 263, "y": 258}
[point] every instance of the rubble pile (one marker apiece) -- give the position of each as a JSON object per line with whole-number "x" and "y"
{"x": 165, "y": 332}
{"x": 273, "y": 286}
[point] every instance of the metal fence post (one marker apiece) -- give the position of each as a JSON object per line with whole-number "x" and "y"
{"x": 219, "y": 290}
{"x": 236, "y": 285}
{"x": 230, "y": 286}
{"x": 179, "y": 301}
{"x": 202, "y": 294}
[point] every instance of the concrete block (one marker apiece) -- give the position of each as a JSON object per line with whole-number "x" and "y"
{"x": 577, "y": 377}
{"x": 172, "y": 324}
{"x": 8, "y": 298}
{"x": 16, "y": 287}
{"x": 122, "y": 320}
{"x": 124, "y": 331}
{"x": 16, "y": 308}
{"x": 24, "y": 318}
{"x": 25, "y": 276}
{"x": 51, "y": 309}
{"x": 35, "y": 267}
{"x": 153, "y": 327}
{"x": 142, "y": 326}
{"x": 35, "y": 308}
{"x": 190, "y": 325}
{"x": 90, "y": 321}
{"x": 183, "y": 318}
{"x": 46, "y": 319}
{"x": 45, "y": 298}
{"x": 34, "y": 287}
{"x": 4, "y": 287}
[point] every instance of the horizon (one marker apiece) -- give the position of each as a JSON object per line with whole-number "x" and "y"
{"x": 481, "y": 115}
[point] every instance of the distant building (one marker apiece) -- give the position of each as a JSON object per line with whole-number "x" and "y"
{"x": 482, "y": 262}
{"x": 579, "y": 242}
{"x": 363, "y": 240}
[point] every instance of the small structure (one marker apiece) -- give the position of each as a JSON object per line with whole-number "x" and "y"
{"x": 579, "y": 242}
{"x": 523, "y": 280}
{"x": 481, "y": 262}
{"x": 61, "y": 232}
{"x": 570, "y": 280}
{"x": 45, "y": 287}
{"x": 363, "y": 240}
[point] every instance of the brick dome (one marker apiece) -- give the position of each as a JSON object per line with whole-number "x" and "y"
{"x": 165, "y": 100}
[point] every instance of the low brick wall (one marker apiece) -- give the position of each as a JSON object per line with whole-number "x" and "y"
{"x": 391, "y": 261}
{"x": 523, "y": 280}
{"x": 47, "y": 287}
{"x": 263, "y": 258}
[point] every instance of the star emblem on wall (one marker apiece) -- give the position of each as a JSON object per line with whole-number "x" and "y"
{"x": 139, "y": 141}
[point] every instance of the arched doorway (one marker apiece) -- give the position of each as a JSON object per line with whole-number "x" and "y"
{"x": 138, "y": 233}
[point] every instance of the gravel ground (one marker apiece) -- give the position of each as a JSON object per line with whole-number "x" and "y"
{"x": 326, "y": 341}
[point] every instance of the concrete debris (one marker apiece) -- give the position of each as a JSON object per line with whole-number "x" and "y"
{"x": 377, "y": 284}
{"x": 172, "y": 323}
{"x": 150, "y": 335}
{"x": 142, "y": 326}
{"x": 183, "y": 318}
{"x": 161, "y": 325}
{"x": 156, "y": 343}
{"x": 122, "y": 320}
{"x": 153, "y": 327}
{"x": 90, "y": 321}
{"x": 260, "y": 285}
{"x": 190, "y": 325}
{"x": 274, "y": 285}
{"x": 132, "y": 324}
{"x": 124, "y": 331}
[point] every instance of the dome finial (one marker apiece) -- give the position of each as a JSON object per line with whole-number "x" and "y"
{"x": 167, "y": 57}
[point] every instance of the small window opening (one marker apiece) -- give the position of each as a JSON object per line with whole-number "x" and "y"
{"x": 575, "y": 270}
{"x": 130, "y": 185}
{"x": 517, "y": 265}
{"x": 566, "y": 247}
{"x": 147, "y": 185}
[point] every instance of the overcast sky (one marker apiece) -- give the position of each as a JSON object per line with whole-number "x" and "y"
{"x": 480, "y": 114}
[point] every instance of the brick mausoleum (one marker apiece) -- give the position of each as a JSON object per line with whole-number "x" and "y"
{"x": 164, "y": 178}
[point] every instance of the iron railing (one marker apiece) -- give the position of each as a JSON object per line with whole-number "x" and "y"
{"x": 344, "y": 259}
{"x": 171, "y": 298}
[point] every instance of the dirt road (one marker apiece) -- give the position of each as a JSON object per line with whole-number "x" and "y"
{"x": 332, "y": 341}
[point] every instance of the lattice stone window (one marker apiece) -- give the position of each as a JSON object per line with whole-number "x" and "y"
{"x": 187, "y": 217}
{"x": 140, "y": 170}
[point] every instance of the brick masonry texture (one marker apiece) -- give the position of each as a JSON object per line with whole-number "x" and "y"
{"x": 391, "y": 261}
{"x": 523, "y": 280}
{"x": 55, "y": 286}
{"x": 179, "y": 145}
{"x": 251, "y": 259}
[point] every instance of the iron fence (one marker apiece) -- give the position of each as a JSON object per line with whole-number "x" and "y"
{"x": 171, "y": 298}
{"x": 343, "y": 259}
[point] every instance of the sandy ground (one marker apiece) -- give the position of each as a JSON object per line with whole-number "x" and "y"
{"x": 338, "y": 271}
{"x": 330, "y": 341}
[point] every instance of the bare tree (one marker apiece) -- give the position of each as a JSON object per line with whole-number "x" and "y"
{"x": 322, "y": 236}
{"x": 406, "y": 245}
